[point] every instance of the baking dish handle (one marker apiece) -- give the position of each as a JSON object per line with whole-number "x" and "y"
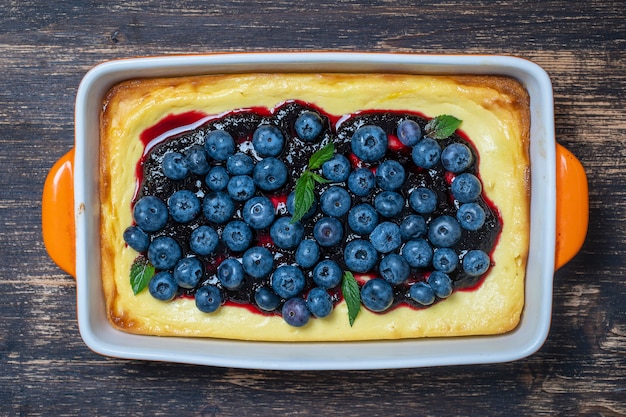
{"x": 572, "y": 206}
{"x": 57, "y": 214}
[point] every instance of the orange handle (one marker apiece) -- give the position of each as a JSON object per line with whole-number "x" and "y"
{"x": 57, "y": 214}
{"x": 572, "y": 206}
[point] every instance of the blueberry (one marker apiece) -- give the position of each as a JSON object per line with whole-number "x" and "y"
{"x": 426, "y": 153}
{"x": 423, "y": 200}
{"x": 422, "y": 293}
{"x": 291, "y": 206}
{"x": 337, "y": 169}
{"x": 444, "y": 232}
{"x": 286, "y": 235}
{"x": 328, "y": 231}
{"x": 327, "y": 274}
{"x": 164, "y": 252}
{"x": 258, "y": 262}
{"x": 335, "y": 201}
{"x": 188, "y": 272}
{"x": 295, "y": 312}
{"x": 237, "y": 236}
{"x": 394, "y": 269}
{"x": 219, "y": 144}
{"x": 197, "y": 160}
{"x": 471, "y": 216}
{"x": 476, "y": 262}
{"x": 377, "y": 295}
{"x": 418, "y": 253}
{"x": 456, "y": 157}
{"x": 150, "y": 213}
{"x": 268, "y": 140}
{"x": 163, "y": 286}
{"x": 217, "y": 178}
{"x": 409, "y": 132}
{"x": 308, "y": 125}
{"x": 319, "y": 302}
{"x": 307, "y": 254}
{"x": 270, "y": 174}
{"x": 136, "y": 238}
{"x": 441, "y": 284}
{"x": 230, "y": 273}
{"x": 390, "y": 175}
{"x": 203, "y": 240}
{"x": 389, "y": 203}
{"x": 258, "y": 212}
{"x": 287, "y": 281}
{"x": 386, "y": 237}
{"x": 445, "y": 260}
{"x": 241, "y": 187}
{"x": 218, "y": 207}
{"x": 174, "y": 166}
{"x": 184, "y": 206}
{"x": 369, "y": 143}
{"x": 360, "y": 256}
{"x": 412, "y": 226}
{"x": 362, "y": 219}
{"x": 208, "y": 298}
{"x": 239, "y": 164}
{"x": 266, "y": 300}
{"x": 466, "y": 188}
{"x": 361, "y": 181}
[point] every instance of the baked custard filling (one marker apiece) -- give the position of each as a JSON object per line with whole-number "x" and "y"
{"x": 396, "y": 267}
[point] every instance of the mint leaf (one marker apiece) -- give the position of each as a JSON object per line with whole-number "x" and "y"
{"x": 305, "y": 186}
{"x": 442, "y": 126}
{"x": 304, "y": 196}
{"x": 318, "y": 158}
{"x": 141, "y": 271}
{"x": 318, "y": 178}
{"x": 352, "y": 295}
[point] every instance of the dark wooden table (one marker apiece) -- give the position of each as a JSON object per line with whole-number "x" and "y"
{"x": 45, "y": 49}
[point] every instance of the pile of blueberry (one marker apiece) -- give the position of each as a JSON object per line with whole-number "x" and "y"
{"x": 404, "y": 213}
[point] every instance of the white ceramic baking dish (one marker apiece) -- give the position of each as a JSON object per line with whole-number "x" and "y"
{"x": 71, "y": 222}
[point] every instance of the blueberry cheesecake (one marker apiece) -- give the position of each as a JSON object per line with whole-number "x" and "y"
{"x": 315, "y": 207}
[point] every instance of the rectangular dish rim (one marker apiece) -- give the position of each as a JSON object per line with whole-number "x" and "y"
{"x": 521, "y": 342}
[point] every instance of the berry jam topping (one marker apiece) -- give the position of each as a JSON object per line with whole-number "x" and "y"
{"x": 274, "y": 209}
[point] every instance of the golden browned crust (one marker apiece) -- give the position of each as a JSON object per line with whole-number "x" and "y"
{"x": 495, "y": 114}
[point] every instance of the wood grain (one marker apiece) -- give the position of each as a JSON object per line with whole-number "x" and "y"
{"x": 46, "y": 48}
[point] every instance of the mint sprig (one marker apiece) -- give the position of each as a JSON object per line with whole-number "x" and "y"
{"x": 305, "y": 185}
{"x": 442, "y": 126}
{"x": 352, "y": 295}
{"x": 318, "y": 158}
{"x": 141, "y": 271}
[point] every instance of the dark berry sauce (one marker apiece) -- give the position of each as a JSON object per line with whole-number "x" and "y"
{"x": 168, "y": 123}
{"x": 241, "y": 124}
